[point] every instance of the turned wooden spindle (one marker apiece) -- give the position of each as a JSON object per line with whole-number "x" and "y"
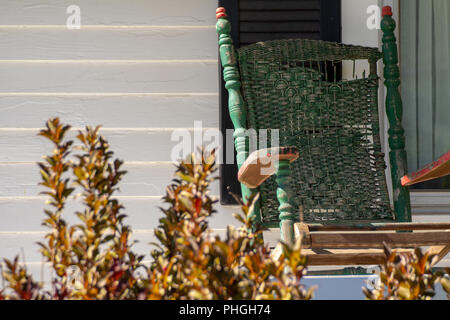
{"x": 394, "y": 110}
{"x": 284, "y": 196}
{"x": 232, "y": 84}
{"x": 236, "y": 105}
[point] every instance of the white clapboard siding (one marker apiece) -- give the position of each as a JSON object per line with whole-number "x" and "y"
{"x": 18, "y": 242}
{"x": 58, "y": 42}
{"x": 25, "y": 214}
{"x": 125, "y": 110}
{"x": 139, "y": 68}
{"x": 109, "y": 12}
{"x": 431, "y": 203}
{"x": 142, "y": 179}
{"x": 14, "y": 243}
{"x": 187, "y": 76}
{"x": 24, "y": 145}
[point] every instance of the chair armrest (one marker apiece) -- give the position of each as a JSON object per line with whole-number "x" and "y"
{"x": 261, "y": 165}
{"x": 437, "y": 169}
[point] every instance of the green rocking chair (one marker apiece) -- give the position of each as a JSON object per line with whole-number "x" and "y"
{"x": 328, "y": 184}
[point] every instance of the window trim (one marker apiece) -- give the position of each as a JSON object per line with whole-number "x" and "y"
{"x": 423, "y": 202}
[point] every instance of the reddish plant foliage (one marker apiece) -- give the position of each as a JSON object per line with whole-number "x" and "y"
{"x": 408, "y": 276}
{"x": 93, "y": 259}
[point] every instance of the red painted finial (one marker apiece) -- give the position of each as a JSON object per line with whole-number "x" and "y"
{"x": 221, "y": 13}
{"x": 387, "y": 11}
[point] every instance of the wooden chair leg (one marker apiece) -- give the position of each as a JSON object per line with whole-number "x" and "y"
{"x": 284, "y": 195}
{"x": 440, "y": 251}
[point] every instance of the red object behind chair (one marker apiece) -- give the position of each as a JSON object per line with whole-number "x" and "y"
{"x": 437, "y": 169}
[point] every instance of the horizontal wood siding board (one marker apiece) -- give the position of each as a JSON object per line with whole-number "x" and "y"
{"x": 280, "y": 16}
{"x": 152, "y": 43}
{"x": 290, "y": 26}
{"x": 110, "y": 12}
{"x": 146, "y": 179}
{"x": 27, "y": 213}
{"x": 12, "y": 244}
{"x": 108, "y": 76}
{"x": 125, "y": 111}
{"x": 279, "y": 5}
{"x": 128, "y": 145}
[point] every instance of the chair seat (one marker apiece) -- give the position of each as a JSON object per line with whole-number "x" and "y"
{"x": 364, "y": 244}
{"x": 342, "y": 245}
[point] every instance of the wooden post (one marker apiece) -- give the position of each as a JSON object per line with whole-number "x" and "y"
{"x": 236, "y": 102}
{"x": 394, "y": 110}
{"x": 284, "y": 195}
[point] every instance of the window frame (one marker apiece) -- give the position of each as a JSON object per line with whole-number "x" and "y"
{"x": 426, "y": 205}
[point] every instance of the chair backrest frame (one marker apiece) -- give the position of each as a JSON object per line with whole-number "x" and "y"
{"x": 397, "y": 154}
